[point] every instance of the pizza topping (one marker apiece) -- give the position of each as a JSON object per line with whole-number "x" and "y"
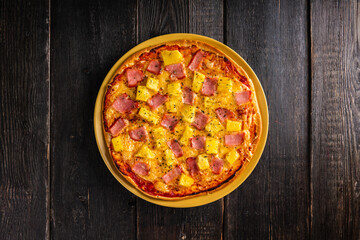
{"x": 169, "y": 122}
{"x": 203, "y": 162}
{"x": 233, "y": 126}
{"x": 198, "y": 81}
{"x": 174, "y": 89}
{"x": 139, "y": 134}
{"x": 175, "y": 148}
{"x": 232, "y": 156}
{"x": 157, "y": 100}
{"x": 176, "y": 71}
{"x": 234, "y": 139}
{"x": 172, "y": 175}
{"x": 134, "y": 76}
{"x": 214, "y": 127}
{"x": 142, "y": 94}
{"x": 200, "y": 121}
{"x": 196, "y": 60}
{"x": 187, "y": 134}
{"x": 193, "y": 167}
{"x": 188, "y": 113}
{"x": 223, "y": 114}
{"x": 212, "y": 145}
{"x": 185, "y": 180}
{"x": 171, "y": 57}
{"x": 216, "y": 165}
{"x": 117, "y": 143}
{"x": 153, "y": 84}
{"x": 154, "y": 67}
{"x": 141, "y": 168}
{"x": 149, "y": 116}
{"x": 225, "y": 85}
{"x": 118, "y": 126}
{"x": 198, "y": 142}
{"x": 209, "y": 86}
{"x": 123, "y": 104}
{"x": 145, "y": 152}
{"x": 242, "y": 97}
{"x": 159, "y": 135}
{"x": 188, "y": 96}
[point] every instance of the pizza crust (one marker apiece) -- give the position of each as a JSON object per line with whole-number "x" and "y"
{"x": 204, "y": 46}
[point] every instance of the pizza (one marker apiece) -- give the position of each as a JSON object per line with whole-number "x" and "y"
{"x": 180, "y": 119}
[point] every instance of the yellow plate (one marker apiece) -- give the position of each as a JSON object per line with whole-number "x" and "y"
{"x": 197, "y": 200}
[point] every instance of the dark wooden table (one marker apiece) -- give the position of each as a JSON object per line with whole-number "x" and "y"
{"x": 54, "y": 57}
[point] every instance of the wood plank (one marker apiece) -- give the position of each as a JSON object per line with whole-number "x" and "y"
{"x": 87, "y": 38}
{"x": 155, "y": 222}
{"x": 24, "y": 111}
{"x": 335, "y": 153}
{"x": 274, "y": 202}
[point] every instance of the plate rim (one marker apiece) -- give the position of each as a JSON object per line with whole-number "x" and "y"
{"x": 196, "y": 200}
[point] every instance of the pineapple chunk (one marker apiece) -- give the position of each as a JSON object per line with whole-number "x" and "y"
{"x": 118, "y": 143}
{"x": 159, "y": 135}
{"x": 212, "y": 145}
{"x": 203, "y": 162}
{"x": 188, "y": 113}
{"x": 149, "y": 116}
{"x": 145, "y": 152}
{"x": 187, "y": 134}
{"x": 233, "y": 126}
{"x": 209, "y": 102}
{"x": 197, "y": 81}
{"x": 142, "y": 93}
{"x": 173, "y": 104}
{"x": 185, "y": 180}
{"x": 169, "y": 157}
{"x": 225, "y": 85}
{"x": 174, "y": 89}
{"x": 232, "y": 156}
{"x": 171, "y": 57}
{"x": 224, "y": 150}
{"x": 214, "y": 127}
{"x": 153, "y": 84}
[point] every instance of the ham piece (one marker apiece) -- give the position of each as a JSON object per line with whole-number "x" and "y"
{"x": 216, "y": 165}
{"x": 176, "y": 71}
{"x": 188, "y": 96}
{"x": 157, "y": 100}
{"x": 242, "y": 97}
{"x": 123, "y": 104}
{"x": 134, "y": 76}
{"x": 198, "y": 142}
{"x": 200, "y": 120}
{"x": 234, "y": 139}
{"x": 118, "y": 126}
{"x": 154, "y": 67}
{"x": 209, "y": 86}
{"x": 139, "y": 134}
{"x": 193, "y": 167}
{"x": 196, "y": 60}
{"x": 141, "y": 168}
{"x": 169, "y": 122}
{"x": 171, "y": 175}
{"x": 223, "y": 114}
{"x": 175, "y": 148}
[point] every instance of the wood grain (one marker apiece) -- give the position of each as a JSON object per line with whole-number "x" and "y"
{"x": 155, "y": 222}
{"x": 87, "y": 37}
{"x": 273, "y": 203}
{"x": 335, "y": 152}
{"x": 24, "y": 111}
